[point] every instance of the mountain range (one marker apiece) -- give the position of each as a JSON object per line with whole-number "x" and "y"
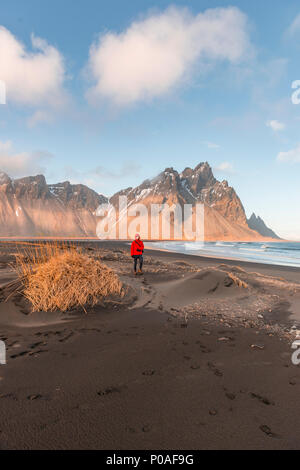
{"x": 29, "y": 207}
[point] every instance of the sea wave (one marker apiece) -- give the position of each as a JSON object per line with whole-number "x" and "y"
{"x": 283, "y": 253}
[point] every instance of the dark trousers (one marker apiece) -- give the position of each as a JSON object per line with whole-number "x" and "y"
{"x": 136, "y": 258}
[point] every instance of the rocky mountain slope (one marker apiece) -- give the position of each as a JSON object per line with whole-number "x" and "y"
{"x": 257, "y": 224}
{"x": 29, "y": 207}
{"x": 225, "y": 217}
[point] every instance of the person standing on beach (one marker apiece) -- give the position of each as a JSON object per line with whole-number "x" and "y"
{"x": 137, "y": 249}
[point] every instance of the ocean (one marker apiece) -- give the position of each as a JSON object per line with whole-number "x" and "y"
{"x": 283, "y": 253}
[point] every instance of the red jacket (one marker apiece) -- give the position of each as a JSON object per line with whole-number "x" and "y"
{"x": 137, "y": 247}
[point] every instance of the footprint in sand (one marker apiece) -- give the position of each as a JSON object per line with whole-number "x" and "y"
{"x": 146, "y": 428}
{"x": 294, "y": 381}
{"x": 20, "y": 354}
{"x": 214, "y": 369}
{"x": 203, "y": 348}
{"x": 109, "y": 391}
{"x": 130, "y": 430}
{"x": 34, "y": 397}
{"x": 148, "y": 372}
{"x": 49, "y": 333}
{"x": 29, "y": 352}
{"x": 88, "y": 330}
{"x": 264, "y": 400}
{"x": 37, "y": 353}
{"x": 35, "y": 345}
{"x": 230, "y": 396}
{"x": 66, "y": 338}
{"x": 265, "y": 429}
{"x": 9, "y": 395}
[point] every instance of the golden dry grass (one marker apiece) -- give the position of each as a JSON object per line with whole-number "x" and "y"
{"x": 238, "y": 281}
{"x": 61, "y": 277}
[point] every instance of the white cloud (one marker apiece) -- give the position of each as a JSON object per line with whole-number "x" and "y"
{"x": 5, "y": 147}
{"x": 126, "y": 169}
{"x": 212, "y": 145}
{"x": 101, "y": 178}
{"x": 158, "y": 53}
{"x": 31, "y": 77}
{"x": 38, "y": 117}
{"x": 275, "y": 125}
{"x": 292, "y": 156}
{"x": 225, "y": 167}
{"x": 23, "y": 163}
{"x": 295, "y": 26}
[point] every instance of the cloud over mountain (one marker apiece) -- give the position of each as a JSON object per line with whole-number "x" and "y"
{"x": 18, "y": 164}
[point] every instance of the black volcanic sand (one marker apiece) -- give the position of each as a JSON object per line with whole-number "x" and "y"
{"x": 161, "y": 374}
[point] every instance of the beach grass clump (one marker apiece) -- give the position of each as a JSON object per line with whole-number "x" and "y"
{"x": 63, "y": 278}
{"x": 237, "y": 281}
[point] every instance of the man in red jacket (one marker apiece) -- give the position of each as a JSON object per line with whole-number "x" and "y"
{"x": 137, "y": 249}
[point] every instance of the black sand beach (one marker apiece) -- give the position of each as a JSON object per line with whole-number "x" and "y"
{"x": 161, "y": 372}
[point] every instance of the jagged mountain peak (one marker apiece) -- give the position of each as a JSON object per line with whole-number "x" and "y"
{"x": 198, "y": 178}
{"x": 169, "y": 174}
{"x": 203, "y": 166}
{"x": 38, "y": 179}
{"x": 256, "y": 223}
{"x": 169, "y": 170}
{"x": 253, "y": 216}
{"x": 77, "y": 195}
{"x": 4, "y": 178}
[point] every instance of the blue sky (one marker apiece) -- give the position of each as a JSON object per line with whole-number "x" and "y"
{"x": 110, "y": 93}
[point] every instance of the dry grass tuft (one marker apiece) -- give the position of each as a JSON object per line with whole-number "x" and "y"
{"x": 61, "y": 277}
{"x": 238, "y": 281}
